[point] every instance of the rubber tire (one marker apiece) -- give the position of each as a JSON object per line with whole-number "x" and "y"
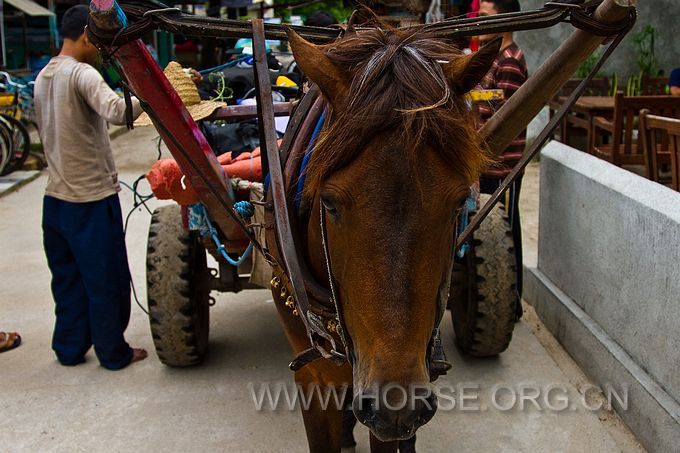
{"x": 179, "y": 310}
{"x": 483, "y": 299}
{"x": 20, "y": 147}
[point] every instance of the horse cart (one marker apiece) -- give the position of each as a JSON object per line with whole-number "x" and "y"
{"x": 360, "y": 227}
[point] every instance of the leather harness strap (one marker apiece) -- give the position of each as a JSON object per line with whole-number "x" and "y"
{"x": 316, "y": 331}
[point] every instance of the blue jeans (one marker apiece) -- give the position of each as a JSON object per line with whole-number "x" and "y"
{"x": 85, "y": 248}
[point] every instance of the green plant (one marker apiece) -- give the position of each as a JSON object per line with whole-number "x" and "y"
{"x": 644, "y": 42}
{"x": 634, "y": 85}
{"x": 222, "y": 92}
{"x": 588, "y": 65}
{"x": 613, "y": 84}
{"x": 335, "y": 7}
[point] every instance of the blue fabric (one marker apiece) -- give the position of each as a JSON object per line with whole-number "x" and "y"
{"x": 305, "y": 160}
{"x": 675, "y": 78}
{"x": 85, "y": 248}
{"x": 469, "y": 207}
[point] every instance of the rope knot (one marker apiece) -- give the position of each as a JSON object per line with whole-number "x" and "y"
{"x": 245, "y": 209}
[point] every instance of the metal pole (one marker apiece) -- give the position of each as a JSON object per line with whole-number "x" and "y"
{"x": 3, "y": 64}
{"x": 24, "y": 26}
{"x": 524, "y": 105}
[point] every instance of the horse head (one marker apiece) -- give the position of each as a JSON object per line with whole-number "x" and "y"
{"x": 390, "y": 170}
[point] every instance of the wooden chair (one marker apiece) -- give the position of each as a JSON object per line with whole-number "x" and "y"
{"x": 654, "y": 86}
{"x": 597, "y": 87}
{"x": 660, "y": 137}
{"x": 615, "y": 140}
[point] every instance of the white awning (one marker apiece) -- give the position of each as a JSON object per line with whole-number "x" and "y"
{"x": 29, "y": 7}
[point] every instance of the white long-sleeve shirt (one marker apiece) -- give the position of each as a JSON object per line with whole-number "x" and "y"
{"x": 73, "y": 105}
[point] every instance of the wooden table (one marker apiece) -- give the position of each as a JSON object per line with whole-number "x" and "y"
{"x": 582, "y": 113}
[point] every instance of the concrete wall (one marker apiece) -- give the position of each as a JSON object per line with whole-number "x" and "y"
{"x": 664, "y": 15}
{"x": 609, "y": 268}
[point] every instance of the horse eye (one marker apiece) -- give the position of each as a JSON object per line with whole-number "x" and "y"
{"x": 329, "y": 205}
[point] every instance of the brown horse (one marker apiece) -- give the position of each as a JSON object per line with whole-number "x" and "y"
{"x": 390, "y": 170}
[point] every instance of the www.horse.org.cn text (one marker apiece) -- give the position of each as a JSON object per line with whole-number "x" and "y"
{"x": 463, "y": 397}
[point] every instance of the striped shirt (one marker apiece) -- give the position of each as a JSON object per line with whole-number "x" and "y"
{"x": 508, "y": 73}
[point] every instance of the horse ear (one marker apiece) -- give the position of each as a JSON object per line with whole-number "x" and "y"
{"x": 464, "y": 73}
{"x": 316, "y": 65}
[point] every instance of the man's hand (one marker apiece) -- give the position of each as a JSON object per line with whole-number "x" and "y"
{"x": 196, "y": 76}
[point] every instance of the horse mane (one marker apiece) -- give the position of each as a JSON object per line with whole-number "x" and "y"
{"x": 397, "y": 84}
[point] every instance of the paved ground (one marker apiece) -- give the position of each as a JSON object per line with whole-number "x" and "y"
{"x": 149, "y": 407}
{"x": 15, "y": 180}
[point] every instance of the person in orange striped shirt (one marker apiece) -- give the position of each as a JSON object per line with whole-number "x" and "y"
{"x": 508, "y": 73}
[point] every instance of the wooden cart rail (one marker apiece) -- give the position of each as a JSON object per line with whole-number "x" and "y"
{"x": 158, "y": 15}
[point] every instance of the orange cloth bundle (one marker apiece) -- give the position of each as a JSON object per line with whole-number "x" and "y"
{"x": 167, "y": 180}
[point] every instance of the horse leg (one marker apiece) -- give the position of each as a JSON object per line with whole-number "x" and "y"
{"x": 348, "y": 423}
{"x": 408, "y": 445}
{"x": 323, "y": 425}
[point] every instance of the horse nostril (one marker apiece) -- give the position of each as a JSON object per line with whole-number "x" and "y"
{"x": 364, "y": 406}
{"x": 425, "y": 409}
{"x": 422, "y": 405}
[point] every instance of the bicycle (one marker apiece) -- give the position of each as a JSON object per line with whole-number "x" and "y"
{"x": 5, "y": 145}
{"x": 16, "y": 111}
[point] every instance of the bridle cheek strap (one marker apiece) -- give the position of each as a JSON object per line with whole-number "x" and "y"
{"x": 436, "y": 358}
{"x": 317, "y": 351}
{"x": 341, "y": 329}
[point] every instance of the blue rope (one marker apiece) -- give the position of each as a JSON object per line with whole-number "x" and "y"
{"x": 305, "y": 160}
{"x": 266, "y": 183}
{"x": 228, "y": 64}
{"x": 120, "y": 15}
{"x": 468, "y": 207}
{"x": 245, "y": 209}
{"x": 210, "y": 230}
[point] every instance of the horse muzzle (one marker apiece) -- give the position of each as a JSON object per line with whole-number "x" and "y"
{"x": 393, "y": 412}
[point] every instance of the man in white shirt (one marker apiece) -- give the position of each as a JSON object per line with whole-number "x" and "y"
{"x": 82, "y": 220}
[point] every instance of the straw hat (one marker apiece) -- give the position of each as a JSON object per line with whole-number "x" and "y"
{"x": 188, "y": 93}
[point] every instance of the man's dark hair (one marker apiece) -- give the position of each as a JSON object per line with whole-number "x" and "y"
{"x": 505, "y": 6}
{"x": 321, "y": 19}
{"x": 74, "y": 21}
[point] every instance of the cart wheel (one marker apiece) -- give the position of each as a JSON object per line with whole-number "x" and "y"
{"x": 20, "y": 146}
{"x": 178, "y": 300}
{"x": 483, "y": 299}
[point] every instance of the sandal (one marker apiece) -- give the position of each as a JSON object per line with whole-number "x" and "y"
{"x": 9, "y": 341}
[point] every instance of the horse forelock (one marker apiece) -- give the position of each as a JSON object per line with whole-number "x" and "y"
{"x": 397, "y": 85}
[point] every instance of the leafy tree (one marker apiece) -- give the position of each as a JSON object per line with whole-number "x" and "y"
{"x": 335, "y": 7}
